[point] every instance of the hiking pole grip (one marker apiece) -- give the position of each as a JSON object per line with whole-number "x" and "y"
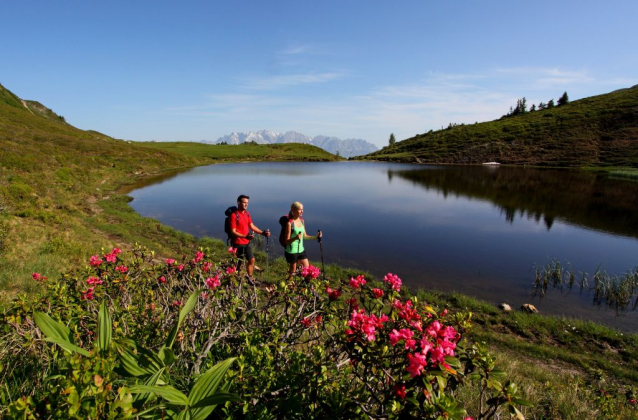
{"x": 318, "y": 237}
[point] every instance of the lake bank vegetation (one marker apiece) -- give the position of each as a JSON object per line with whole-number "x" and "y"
{"x": 597, "y": 131}
{"x": 60, "y": 203}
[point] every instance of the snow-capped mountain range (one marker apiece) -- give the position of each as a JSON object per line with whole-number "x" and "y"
{"x": 346, "y": 148}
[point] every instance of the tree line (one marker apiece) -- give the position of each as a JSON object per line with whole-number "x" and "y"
{"x": 521, "y": 106}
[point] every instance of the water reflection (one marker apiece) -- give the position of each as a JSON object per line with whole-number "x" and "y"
{"x": 585, "y": 199}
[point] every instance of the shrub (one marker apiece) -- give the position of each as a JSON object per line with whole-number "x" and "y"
{"x": 125, "y": 336}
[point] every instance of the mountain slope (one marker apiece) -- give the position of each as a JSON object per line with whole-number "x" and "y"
{"x": 599, "y": 131}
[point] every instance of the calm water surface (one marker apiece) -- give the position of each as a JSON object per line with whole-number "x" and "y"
{"x": 474, "y": 229}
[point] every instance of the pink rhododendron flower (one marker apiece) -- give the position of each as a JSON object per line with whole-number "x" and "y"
{"x": 94, "y": 280}
{"x": 88, "y": 294}
{"x": 310, "y": 271}
{"x": 116, "y": 251}
{"x": 416, "y": 363}
{"x": 352, "y": 302}
{"x": 468, "y": 418}
{"x": 231, "y": 270}
{"x": 393, "y": 280}
{"x": 121, "y": 268}
{"x": 433, "y": 329}
{"x": 213, "y": 282}
{"x": 318, "y": 319}
{"x": 306, "y": 322}
{"x": 443, "y": 314}
{"x": 357, "y": 282}
{"x": 403, "y": 334}
{"x": 367, "y": 325}
{"x": 162, "y": 279}
{"x": 180, "y": 267}
{"x": 110, "y": 258}
{"x": 406, "y": 311}
{"x": 207, "y": 266}
{"x": 232, "y": 250}
{"x": 377, "y": 293}
{"x": 170, "y": 261}
{"x": 199, "y": 256}
{"x": 177, "y": 303}
{"x": 95, "y": 260}
{"x": 399, "y": 391}
{"x": 333, "y": 294}
{"x": 38, "y": 277}
{"x": 203, "y": 295}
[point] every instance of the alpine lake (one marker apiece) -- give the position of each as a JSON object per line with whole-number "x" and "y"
{"x": 478, "y": 230}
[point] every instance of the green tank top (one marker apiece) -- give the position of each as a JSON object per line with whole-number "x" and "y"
{"x": 297, "y": 246}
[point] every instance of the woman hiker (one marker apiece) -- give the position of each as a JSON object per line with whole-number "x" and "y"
{"x": 295, "y": 234}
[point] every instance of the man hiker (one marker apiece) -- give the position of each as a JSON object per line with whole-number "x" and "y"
{"x": 240, "y": 226}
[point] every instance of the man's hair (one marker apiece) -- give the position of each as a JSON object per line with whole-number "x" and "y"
{"x": 241, "y": 197}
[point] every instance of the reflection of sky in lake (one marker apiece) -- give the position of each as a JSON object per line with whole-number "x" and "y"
{"x": 384, "y": 223}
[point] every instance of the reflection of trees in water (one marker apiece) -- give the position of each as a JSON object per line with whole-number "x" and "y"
{"x": 581, "y": 198}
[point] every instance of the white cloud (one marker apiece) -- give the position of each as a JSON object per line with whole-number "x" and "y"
{"x": 278, "y": 82}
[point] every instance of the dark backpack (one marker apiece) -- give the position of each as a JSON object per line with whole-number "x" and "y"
{"x": 283, "y": 222}
{"x": 229, "y": 233}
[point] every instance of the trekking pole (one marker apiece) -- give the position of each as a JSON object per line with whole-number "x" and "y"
{"x": 323, "y": 274}
{"x": 267, "y": 253}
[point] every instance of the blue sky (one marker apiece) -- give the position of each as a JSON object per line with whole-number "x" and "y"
{"x": 195, "y": 70}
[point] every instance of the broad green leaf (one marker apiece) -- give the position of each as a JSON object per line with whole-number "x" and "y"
{"x": 128, "y": 363}
{"x": 104, "y": 329}
{"x": 151, "y": 381}
{"x": 188, "y": 307}
{"x": 167, "y": 392}
{"x": 50, "y": 327}
{"x": 68, "y": 346}
{"x": 217, "y": 398}
{"x": 206, "y": 386}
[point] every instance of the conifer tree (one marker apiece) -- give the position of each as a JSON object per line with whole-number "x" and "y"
{"x": 392, "y": 140}
{"x": 563, "y": 99}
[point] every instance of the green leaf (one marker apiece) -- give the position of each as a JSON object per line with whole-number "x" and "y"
{"x": 188, "y": 307}
{"x": 50, "y": 327}
{"x": 167, "y": 392}
{"x": 104, "y": 329}
{"x": 68, "y": 346}
{"x": 519, "y": 415}
{"x": 151, "y": 381}
{"x": 167, "y": 356}
{"x": 206, "y": 386}
{"x": 217, "y": 398}
{"x": 128, "y": 363}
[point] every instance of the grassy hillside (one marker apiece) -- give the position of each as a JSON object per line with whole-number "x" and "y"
{"x": 60, "y": 203}
{"x": 597, "y": 131}
{"x": 246, "y": 151}
{"x": 58, "y": 200}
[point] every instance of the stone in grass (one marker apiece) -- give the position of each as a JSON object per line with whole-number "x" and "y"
{"x": 505, "y": 307}
{"x": 529, "y": 308}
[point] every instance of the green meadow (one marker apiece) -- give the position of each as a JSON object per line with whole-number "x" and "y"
{"x": 62, "y": 200}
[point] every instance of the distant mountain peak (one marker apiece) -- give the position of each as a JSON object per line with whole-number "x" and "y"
{"x": 334, "y": 145}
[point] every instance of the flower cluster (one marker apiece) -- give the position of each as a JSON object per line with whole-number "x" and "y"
{"x": 213, "y": 282}
{"x": 38, "y": 277}
{"x": 393, "y": 280}
{"x": 365, "y": 324}
{"x": 436, "y": 343}
{"x": 88, "y": 294}
{"x": 333, "y": 294}
{"x": 310, "y": 272}
{"x": 357, "y": 282}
